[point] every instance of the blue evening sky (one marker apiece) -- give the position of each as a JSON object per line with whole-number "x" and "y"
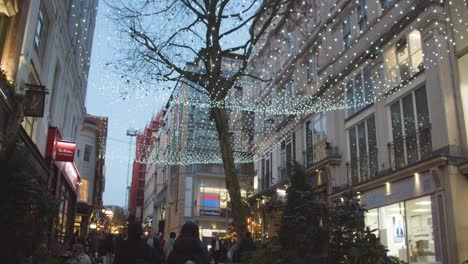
{"x": 104, "y": 99}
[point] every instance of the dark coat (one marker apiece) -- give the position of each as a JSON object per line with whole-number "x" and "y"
{"x": 188, "y": 247}
{"x": 134, "y": 250}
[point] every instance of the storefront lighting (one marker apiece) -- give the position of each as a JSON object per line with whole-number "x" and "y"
{"x": 281, "y": 192}
{"x": 420, "y": 210}
{"x": 424, "y": 203}
{"x": 396, "y": 209}
{"x": 93, "y": 226}
{"x": 342, "y": 199}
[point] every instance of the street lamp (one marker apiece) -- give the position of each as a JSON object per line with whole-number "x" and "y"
{"x": 130, "y": 133}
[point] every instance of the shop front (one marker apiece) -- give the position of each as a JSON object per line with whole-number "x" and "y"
{"x": 405, "y": 215}
{"x": 63, "y": 183}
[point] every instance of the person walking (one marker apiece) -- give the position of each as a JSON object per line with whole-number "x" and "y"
{"x": 135, "y": 250}
{"x": 188, "y": 248}
{"x": 78, "y": 255}
{"x": 169, "y": 245}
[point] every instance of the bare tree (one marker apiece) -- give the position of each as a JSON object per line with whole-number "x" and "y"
{"x": 166, "y": 34}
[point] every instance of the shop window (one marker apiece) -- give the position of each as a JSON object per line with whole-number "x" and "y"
{"x": 421, "y": 240}
{"x": 392, "y": 226}
{"x": 359, "y": 91}
{"x": 404, "y": 59}
{"x": 411, "y": 132}
{"x": 346, "y": 28}
{"x": 84, "y": 190}
{"x": 406, "y": 229}
{"x": 87, "y": 153}
{"x": 363, "y": 151}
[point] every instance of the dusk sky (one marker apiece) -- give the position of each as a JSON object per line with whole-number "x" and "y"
{"x": 104, "y": 99}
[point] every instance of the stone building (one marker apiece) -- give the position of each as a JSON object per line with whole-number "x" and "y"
{"x": 45, "y": 49}
{"x": 367, "y": 101}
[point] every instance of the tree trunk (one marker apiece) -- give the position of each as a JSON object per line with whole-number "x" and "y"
{"x": 232, "y": 181}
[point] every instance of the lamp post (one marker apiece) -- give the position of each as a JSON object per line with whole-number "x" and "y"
{"x": 130, "y": 133}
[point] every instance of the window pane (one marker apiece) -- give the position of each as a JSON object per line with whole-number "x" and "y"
{"x": 324, "y": 126}
{"x": 411, "y": 139}
{"x": 362, "y": 15}
{"x": 372, "y": 145}
{"x": 397, "y": 132}
{"x": 416, "y": 49}
{"x": 391, "y": 66}
{"x": 363, "y": 158}
{"x": 309, "y": 144}
{"x": 403, "y": 59}
{"x": 421, "y": 241}
{"x": 396, "y": 121}
{"x": 368, "y": 85}
{"x": 317, "y": 131}
{"x": 353, "y": 155}
{"x": 358, "y": 93}
{"x": 421, "y": 107}
{"x": 408, "y": 114}
{"x": 371, "y": 219}
{"x": 350, "y": 97}
{"x": 392, "y": 230}
{"x": 422, "y": 114}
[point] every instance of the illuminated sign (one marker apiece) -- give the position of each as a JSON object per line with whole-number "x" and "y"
{"x": 209, "y": 212}
{"x": 65, "y": 151}
{"x": 210, "y": 200}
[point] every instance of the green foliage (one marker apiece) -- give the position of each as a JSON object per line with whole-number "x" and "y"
{"x": 302, "y": 235}
{"x": 29, "y": 205}
{"x": 269, "y": 252}
{"x": 350, "y": 241}
{"x": 314, "y": 232}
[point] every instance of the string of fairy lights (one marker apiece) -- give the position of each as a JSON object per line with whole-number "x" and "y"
{"x": 307, "y": 75}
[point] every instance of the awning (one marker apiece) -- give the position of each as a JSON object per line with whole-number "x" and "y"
{"x": 69, "y": 170}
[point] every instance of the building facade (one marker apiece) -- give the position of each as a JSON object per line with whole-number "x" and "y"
{"x": 193, "y": 184}
{"x": 144, "y": 144}
{"x": 45, "y": 51}
{"x": 383, "y": 116}
{"x": 91, "y": 165}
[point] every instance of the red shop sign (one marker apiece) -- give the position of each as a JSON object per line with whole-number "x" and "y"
{"x": 65, "y": 151}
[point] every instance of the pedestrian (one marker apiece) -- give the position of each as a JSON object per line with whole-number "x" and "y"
{"x": 150, "y": 240}
{"x": 108, "y": 247}
{"x": 169, "y": 245}
{"x": 187, "y": 247}
{"x": 161, "y": 241}
{"x": 78, "y": 255}
{"x": 134, "y": 250}
{"x": 216, "y": 250}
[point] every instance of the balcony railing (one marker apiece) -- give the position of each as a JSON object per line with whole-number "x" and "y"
{"x": 411, "y": 148}
{"x": 362, "y": 169}
{"x": 319, "y": 152}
